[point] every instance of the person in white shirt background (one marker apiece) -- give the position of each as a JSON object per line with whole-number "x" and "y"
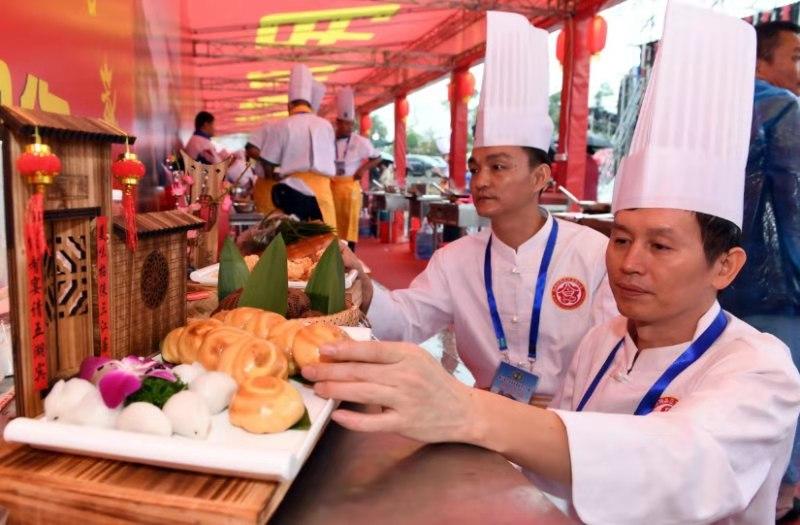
{"x": 199, "y": 147}
{"x": 526, "y": 290}
{"x": 303, "y": 146}
{"x": 355, "y": 156}
{"x": 676, "y": 412}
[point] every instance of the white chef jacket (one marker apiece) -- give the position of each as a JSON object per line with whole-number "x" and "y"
{"x": 200, "y": 148}
{"x": 715, "y": 456}
{"x": 354, "y": 151}
{"x": 452, "y": 290}
{"x": 302, "y": 142}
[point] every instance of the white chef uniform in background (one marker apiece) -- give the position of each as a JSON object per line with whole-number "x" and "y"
{"x": 303, "y": 146}
{"x": 512, "y": 112}
{"x": 716, "y": 445}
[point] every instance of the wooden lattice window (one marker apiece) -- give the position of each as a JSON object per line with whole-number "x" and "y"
{"x": 155, "y": 279}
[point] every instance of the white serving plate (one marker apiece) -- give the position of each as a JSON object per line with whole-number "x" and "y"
{"x": 229, "y": 450}
{"x": 210, "y": 276}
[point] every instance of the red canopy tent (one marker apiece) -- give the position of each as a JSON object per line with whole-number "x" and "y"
{"x": 242, "y": 52}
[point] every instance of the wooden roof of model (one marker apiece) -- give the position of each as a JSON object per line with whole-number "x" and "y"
{"x": 160, "y": 222}
{"x": 61, "y": 126}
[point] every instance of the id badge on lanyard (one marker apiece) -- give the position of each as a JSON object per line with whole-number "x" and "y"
{"x": 340, "y": 164}
{"x": 509, "y": 380}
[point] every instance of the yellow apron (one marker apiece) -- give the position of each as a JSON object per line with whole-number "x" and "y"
{"x": 347, "y": 195}
{"x": 321, "y": 186}
{"x": 262, "y": 195}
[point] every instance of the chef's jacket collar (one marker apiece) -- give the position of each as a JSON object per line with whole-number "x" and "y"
{"x": 533, "y": 246}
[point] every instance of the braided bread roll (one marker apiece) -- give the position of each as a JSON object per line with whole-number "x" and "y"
{"x": 283, "y": 336}
{"x": 266, "y": 404}
{"x": 263, "y": 322}
{"x": 169, "y": 346}
{"x": 192, "y": 337}
{"x": 305, "y": 347}
{"x": 259, "y": 357}
{"x": 218, "y": 340}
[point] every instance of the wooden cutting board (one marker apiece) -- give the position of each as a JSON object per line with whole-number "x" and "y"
{"x": 39, "y": 487}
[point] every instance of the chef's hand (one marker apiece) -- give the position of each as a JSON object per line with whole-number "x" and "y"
{"x": 351, "y": 262}
{"x": 419, "y": 399}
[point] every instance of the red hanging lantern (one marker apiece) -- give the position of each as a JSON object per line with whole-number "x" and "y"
{"x": 365, "y": 125}
{"x": 466, "y": 85}
{"x": 598, "y": 30}
{"x": 128, "y": 170}
{"x": 561, "y": 44}
{"x": 40, "y": 166}
{"x": 402, "y": 109}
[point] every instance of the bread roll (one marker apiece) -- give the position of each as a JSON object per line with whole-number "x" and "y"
{"x": 283, "y": 337}
{"x": 169, "y": 346}
{"x": 266, "y": 404}
{"x": 220, "y": 316}
{"x": 259, "y": 357}
{"x": 192, "y": 337}
{"x": 305, "y": 347}
{"x": 217, "y": 341}
{"x": 238, "y": 317}
{"x": 260, "y": 324}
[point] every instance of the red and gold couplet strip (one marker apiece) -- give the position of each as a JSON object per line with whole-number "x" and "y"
{"x": 102, "y": 285}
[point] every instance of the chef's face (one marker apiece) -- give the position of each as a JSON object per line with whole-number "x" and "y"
{"x": 343, "y": 128}
{"x": 783, "y": 68}
{"x": 503, "y": 181}
{"x": 657, "y": 267}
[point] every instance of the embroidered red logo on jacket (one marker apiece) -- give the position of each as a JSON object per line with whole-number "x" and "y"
{"x": 665, "y": 404}
{"x": 568, "y": 293}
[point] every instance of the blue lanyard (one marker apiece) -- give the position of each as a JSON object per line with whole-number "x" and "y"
{"x": 537, "y": 299}
{"x": 684, "y": 361}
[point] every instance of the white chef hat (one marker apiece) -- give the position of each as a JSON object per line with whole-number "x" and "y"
{"x": 300, "y": 82}
{"x": 513, "y": 108}
{"x": 317, "y": 94}
{"x": 690, "y": 146}
{"x": 346, "y": 104}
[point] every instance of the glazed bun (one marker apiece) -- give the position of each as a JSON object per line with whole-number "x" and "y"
{"x": 238, "y": 317}
{"x": 262, "y": 323}
{"x": 169, "y": 346}
{"x": 259, "y": 357}
{"x": 217, "y": 341}
{"x": 265, "y": 404}
{"x": 282, "y": 336}
{"x": 220, "y": 316}
{"x": 192, "y": 337}
{"x": 305, "y": 347}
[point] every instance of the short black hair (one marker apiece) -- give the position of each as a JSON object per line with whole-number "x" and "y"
{"x": 536, "y": 156}
{"x": 718, "y": 235}
{"x": 203, "y": 118}
{"x": 768, "y": 35}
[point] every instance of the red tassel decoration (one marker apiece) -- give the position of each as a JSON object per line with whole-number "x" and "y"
{"x": 128, "y": 170}
{"x": 39, "y": 166}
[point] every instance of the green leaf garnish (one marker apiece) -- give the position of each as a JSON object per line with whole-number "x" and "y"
{"x": 156, "y": 391}
{"x": 325, "y": 288}
{"x": 267, "y": 287}
{"x": 233, "y": 271}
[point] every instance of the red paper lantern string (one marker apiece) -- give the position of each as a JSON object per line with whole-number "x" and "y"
{"x": 128, "y": 170}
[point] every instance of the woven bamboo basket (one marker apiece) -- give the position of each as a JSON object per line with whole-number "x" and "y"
{"x": 350, "y": 316}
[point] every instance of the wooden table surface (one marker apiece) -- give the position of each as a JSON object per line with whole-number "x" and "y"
{"x": 350, "y": 479}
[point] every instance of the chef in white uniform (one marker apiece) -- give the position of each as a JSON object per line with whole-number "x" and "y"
{"x": 303, "y": 146}
{"x": 355, "y": 156}
{"x": 677, "y": 412}
{"x": 262, "y": 187}
{"x": 528, "y": 289}
{"x": 199, "y": 146}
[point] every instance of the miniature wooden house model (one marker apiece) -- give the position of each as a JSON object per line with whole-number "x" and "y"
{"x": 80, "y": 305}
{"x": 150, "y": 295}
{"x": 206, "y": 192}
